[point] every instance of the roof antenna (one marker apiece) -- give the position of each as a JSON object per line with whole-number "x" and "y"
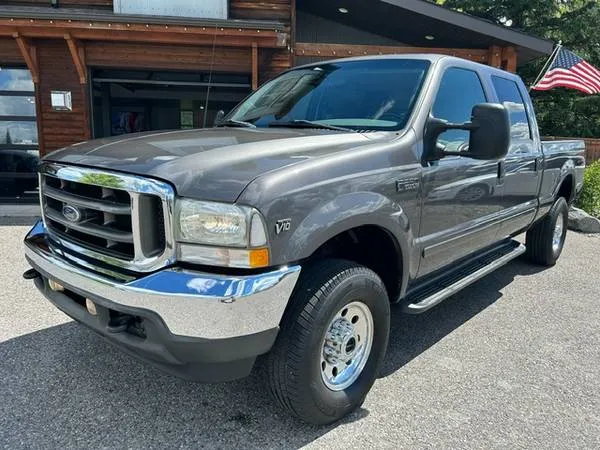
{"x": 210, "y": 73}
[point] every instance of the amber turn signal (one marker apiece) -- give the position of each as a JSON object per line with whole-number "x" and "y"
{"x": 258, "y": 257}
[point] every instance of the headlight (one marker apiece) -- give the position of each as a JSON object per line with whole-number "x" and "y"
{"x": 220, "y": 234}
{"x": 212, "y": 223}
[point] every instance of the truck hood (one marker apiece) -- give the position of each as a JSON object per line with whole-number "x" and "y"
{"x": 210, "y": 164}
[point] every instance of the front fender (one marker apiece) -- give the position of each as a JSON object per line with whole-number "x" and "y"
{"x": 349, "y": 211}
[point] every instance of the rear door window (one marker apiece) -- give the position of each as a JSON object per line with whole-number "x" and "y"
{"x": 460, "y": 90}
{"x": 510, "y": 96}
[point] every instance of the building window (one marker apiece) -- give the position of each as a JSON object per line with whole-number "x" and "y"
{"x": 19, "y": 155}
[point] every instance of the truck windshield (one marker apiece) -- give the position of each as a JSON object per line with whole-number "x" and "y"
{"x": 375, "y": 94}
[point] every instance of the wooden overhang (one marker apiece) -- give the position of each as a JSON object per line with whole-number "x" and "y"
{"x": 419, "y": 27}
{"x": 76, "y": 27}
{"x": 236, "y": 34}
{"x": 58, "y": 46}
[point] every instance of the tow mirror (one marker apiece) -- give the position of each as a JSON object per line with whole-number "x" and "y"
{"x": 219, "y": 117}
{"x": 489, "y": 134}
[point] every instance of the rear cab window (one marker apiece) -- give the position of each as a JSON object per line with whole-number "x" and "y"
{"x": 520, "y": 124}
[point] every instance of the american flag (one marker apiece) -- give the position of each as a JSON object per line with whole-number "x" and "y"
{"x": 570, "y": 71}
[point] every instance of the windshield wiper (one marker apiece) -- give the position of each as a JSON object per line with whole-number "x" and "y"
{"x": 300, "y": 123}
{"x": 235, "y": 123}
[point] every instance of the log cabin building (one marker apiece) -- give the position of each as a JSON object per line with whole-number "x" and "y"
{"x": 72, "y": 70}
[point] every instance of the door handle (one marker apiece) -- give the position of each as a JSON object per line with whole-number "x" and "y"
{"x": 501, "y": 171}
{"x": 539, "y": 164}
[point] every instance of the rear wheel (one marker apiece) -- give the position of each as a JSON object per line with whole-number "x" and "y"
{"x": 546, "y": 239}
{"x": 332, "y": 341}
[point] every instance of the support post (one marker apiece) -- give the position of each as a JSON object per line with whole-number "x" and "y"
{"x": 495, "y": 56}
{"x": 254, "y": 66}
{"x": 293, "y": 21}
{"x": 509, "y": 59}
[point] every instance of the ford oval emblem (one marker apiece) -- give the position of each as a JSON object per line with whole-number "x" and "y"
{"x": 71, "y": 213}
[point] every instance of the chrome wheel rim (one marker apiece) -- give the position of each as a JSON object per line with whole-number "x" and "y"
{"x": 558, "y": 234}
{"x": 346, "y": 346}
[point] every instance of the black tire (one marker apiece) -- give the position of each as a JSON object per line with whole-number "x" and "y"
{"x": 539, "y": 239}
{"x": 294, "y": 364}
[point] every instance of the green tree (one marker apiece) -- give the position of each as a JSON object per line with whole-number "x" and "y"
{"x": 8, "y": 139}
{"x": 561, "y": 112}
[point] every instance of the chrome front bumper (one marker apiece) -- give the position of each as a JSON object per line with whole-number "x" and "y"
{"x": 194, "y": 304}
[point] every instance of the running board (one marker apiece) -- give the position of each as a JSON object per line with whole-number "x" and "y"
{"x": 440, "y": 288}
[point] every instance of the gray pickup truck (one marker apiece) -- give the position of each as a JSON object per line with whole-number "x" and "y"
{"x": 288, "y": 229}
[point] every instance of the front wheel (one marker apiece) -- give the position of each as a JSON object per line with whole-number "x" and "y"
{"x": 546, "y": 239}
{"x": 332, "y": 342}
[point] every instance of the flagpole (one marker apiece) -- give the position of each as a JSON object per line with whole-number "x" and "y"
{"x": 548, "y": 63}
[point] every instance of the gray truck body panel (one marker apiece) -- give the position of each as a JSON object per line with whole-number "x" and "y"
{"x": 326, "y": 182}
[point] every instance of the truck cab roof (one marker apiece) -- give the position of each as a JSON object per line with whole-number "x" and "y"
{"x": 434, "y": 58}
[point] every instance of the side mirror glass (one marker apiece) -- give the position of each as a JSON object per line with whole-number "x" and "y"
{"x": 489, "y": 134}
{"x": 219, "y": 117}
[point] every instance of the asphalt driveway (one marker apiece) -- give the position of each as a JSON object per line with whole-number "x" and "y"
{"x": 511, "y": 362}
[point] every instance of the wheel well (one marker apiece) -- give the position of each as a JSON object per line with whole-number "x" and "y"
{"x": 567, "y": 189}
{"x": 372, "y": 247}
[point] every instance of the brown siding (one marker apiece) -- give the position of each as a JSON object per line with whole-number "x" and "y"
{"x": 57, "y": 72}
{"x": 155, "y": 56}
{"x": 271, "y": 63}
{"x": 9, "y": 52}
{"x": 592, "y": 150}
{"x": 266, "y": 10}
{"x": 330, "y": 51}
{"x": 66, "y": 3}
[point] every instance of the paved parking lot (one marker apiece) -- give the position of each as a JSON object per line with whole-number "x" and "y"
{"x": 511, "y": 362}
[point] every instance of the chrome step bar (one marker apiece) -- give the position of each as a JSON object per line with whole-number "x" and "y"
{"x": 431, "y": 300}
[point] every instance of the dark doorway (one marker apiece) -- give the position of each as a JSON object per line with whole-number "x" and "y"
{"x": 19, "y": 156}
{"x": 131, "y": 101}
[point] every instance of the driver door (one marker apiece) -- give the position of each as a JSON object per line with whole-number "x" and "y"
{"x": 460, "y": 196}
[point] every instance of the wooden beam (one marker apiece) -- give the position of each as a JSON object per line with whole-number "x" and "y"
{"x": 509, "y": 59}
{"x": 192, "y": 35}
{"x": 327, "y": 51}
{"x": 254, "y": 66}
{"x": 28, "y": 52}
{"x": 78, "y": 56}
{"x": 495, "y": 56}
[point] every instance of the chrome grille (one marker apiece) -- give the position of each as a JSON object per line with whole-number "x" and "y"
{"x": 115, "y": 219}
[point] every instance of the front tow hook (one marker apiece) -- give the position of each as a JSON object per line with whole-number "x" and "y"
{"x": 31, "y": 274}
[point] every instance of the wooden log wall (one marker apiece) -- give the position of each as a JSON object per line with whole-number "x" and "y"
{"x": 270, "y": 61}
{"x": 279, "y": 10}
{"x": 9, "y": 52}
{"x": 173, "y": 57}
{"x": 57, "y": 72}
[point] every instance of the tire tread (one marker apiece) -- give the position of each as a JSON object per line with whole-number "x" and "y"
{"x": 538, "y": 239}
{"x": 282, "y": 362}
